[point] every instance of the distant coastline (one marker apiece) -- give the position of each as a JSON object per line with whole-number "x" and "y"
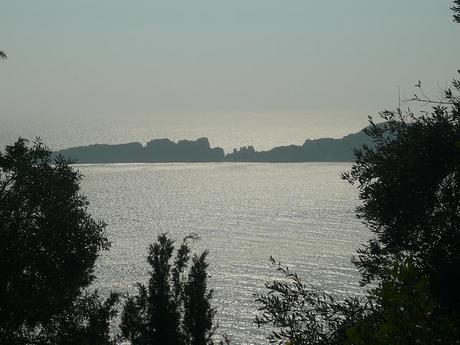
{"x": 190, "y": 151}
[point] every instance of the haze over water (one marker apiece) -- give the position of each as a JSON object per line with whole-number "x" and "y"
{"x": 248, "y": 129}
{"x": 301, "y": 214}
{"x": 263, "y": 72}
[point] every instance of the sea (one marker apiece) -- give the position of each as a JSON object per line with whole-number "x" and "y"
{"x": 301, "y": 214}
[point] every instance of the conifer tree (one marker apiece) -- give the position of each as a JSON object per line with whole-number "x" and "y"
{"x": 198, "y": 314}
{"x": 175, "y": 308}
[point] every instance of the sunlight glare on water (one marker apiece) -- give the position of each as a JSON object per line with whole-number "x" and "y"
{"x": 301, "y": 214}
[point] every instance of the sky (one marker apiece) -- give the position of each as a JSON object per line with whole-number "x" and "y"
{"x": 244, "y": 69}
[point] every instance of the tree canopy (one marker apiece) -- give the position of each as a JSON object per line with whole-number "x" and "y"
{"x": 456, "y": 9}
{"x": 408, "y": 180}
{"x": 409, "y": 186}
{"x": 49, "y": 244}
{"x": 175, "y": 307}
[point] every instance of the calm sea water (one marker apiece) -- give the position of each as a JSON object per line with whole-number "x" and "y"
{"x": 301, "y": 214}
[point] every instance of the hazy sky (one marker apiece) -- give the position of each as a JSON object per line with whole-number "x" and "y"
{"x": 183, "y": 62}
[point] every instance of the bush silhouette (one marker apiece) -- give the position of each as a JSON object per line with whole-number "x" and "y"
{"x": 409, "y": 186}
{"x": 175, "y": 307}
{"x": 49, "y": 244}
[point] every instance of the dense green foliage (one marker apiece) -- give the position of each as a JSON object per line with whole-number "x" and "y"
{"x": 404, "y": 311}
{"x": 175, "y": 308}
{"x": 407, "y": 183}
{"x": 49, "y": 244}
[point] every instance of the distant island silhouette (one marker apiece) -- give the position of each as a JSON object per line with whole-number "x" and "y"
{"x": 167, "y": 151}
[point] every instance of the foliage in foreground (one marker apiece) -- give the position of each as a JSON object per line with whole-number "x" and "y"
{"x": 456, "y": 9}
{"x": 49, "y": 247}
{"x": 409, "y": 185}
{"x": 49, "y": 244}
{"x": 175, "y": 307}
{"x": 405, "y": 311}
{"x": 302, "y": 314}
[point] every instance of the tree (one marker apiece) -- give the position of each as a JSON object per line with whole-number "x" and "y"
{"x": 404, "y": 312}
{"x": 172, "y": 309}
{"x": 87, "y": 321}
{"x": 3, "y": 55}
{"x": 409, "y": 185}
{"x": 49, "y": 244}
{"x": 301, "y": 314}
{"x": 198, "y": 313}
{"x": 456, "y": 9}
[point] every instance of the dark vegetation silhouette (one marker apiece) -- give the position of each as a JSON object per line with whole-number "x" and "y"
{"x": 49, "y": 244}
{"x": 49, "y": 247}
{"x": 175, "y": 307}
{"x": 408, "y": 177}
{"x": 456, "y": 9}
{"x": 3, "y": 55}
{"x": 409, "y": 186}
{"x": 164, "y": 150}
{"x": 298, "y": 313}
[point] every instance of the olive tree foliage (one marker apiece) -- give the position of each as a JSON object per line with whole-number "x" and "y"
{"x": 399, "y": 310}
{"x": 408, "y": 185}
{"x": 405, "y": 311}
{"x": 175, "y": 307}
{"x": 301, "y": 314}
{"x": 456, "y": 9}
{"x": 49, "y": 244}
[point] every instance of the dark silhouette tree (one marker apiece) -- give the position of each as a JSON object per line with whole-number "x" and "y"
{"x": 301, "y": 314}
{"x": 404, "y": 312}
{"x": 86, "y": 322}
{"x": 174, "y": 308}
{"x": 49, "y": 244}
{"x": 409, "y": 185}
{"x": 3, "y": 55}
{"x": 456, "y": 9}
{"x": 198, "y": 312}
